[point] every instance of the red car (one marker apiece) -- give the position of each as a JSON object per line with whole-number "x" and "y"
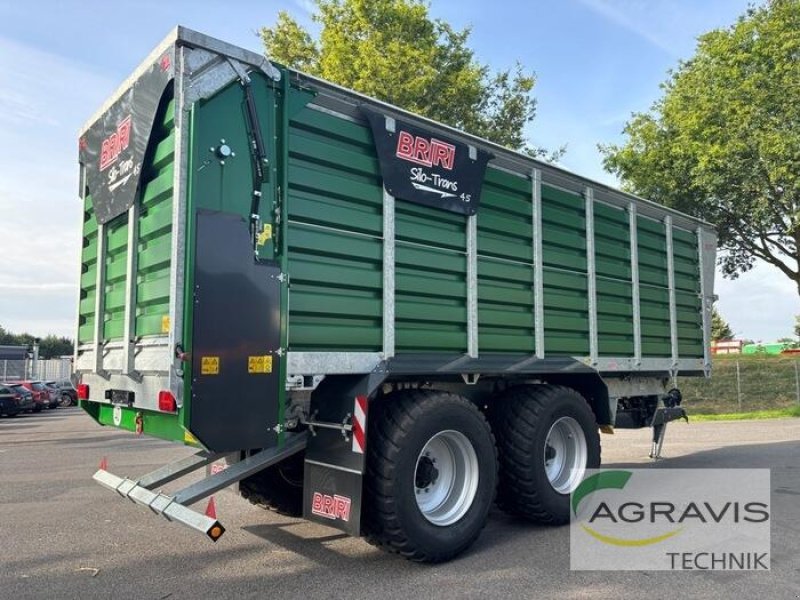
{"x": 41, "y": 395}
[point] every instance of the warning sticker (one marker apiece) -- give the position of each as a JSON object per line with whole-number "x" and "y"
{"x": 265, "y": 235}
{"x": 259, "y": 364}
{"x": 165, "y": 324}
{"x": 209, "y": 365}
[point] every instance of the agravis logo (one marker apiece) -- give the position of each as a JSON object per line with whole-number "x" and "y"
{"x": 671, "y": 519}
{"x": 604, "y": 481}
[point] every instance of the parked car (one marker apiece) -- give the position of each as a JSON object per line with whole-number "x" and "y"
{"x": 9, "y": 402}
{"x": 66, "y": 392}
{"x": 54, "y": 391}
{"x": 41, "y": 396}
{"x": 52, "y": 395}
{"x": 24, "y": 395}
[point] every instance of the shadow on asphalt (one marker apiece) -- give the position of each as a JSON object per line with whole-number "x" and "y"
{"x": 504, "y": 529}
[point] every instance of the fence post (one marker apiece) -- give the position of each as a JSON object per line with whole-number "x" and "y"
{"x": 738, "y": 386}
{"x": 797, "y": 381}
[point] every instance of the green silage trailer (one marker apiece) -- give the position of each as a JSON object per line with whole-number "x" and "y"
{"x": 378, "y": 321}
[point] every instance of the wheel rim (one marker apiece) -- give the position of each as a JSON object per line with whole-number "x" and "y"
{"x": 565, "y": 455}
{"x": 446, "y": 478}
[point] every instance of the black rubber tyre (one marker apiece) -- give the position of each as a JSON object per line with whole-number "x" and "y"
{"x": 66, "y": 400}
{"x": 400, "y": 427}
{"x": 524, "y": 415}
{"x": 278, "y": 488}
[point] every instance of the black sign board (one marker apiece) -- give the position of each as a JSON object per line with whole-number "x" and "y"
{"x": 427, "y": 168}
{"x": 113, "y": 148}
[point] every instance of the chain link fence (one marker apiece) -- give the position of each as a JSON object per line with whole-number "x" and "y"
{"x": 744, "y": 384}
{"x": 46, "y": 370}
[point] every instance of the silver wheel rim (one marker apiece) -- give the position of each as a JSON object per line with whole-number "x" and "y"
{"x": 446, "y": 478}
{"x": 565, "y": 455}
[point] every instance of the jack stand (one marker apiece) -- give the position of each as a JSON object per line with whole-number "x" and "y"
{"x": 658, "y": 440}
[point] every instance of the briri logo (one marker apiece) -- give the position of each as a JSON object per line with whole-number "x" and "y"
{"x": 423, "y": 151}
{"x": 331, "y": 506}
{"x": 115, "y": 143}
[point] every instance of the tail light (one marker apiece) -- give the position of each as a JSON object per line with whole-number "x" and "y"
{"x": 83, "y": 391}
{"x": 166, "y": 401}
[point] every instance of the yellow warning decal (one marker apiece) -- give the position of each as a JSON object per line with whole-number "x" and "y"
{"x": 265, "y": 235}
{"x": 165, "y": 324}
{"x": 209, "y": 365}
{"x": 189, "y": 438}
{"x": 259, "y": 364}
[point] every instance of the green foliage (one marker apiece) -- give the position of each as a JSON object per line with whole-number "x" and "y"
{"x": 775, "y": 413}
{"x": 49, "y": 347}
{"x": 720, "y": 330}
{"x": 393, "y": 50}
{"x": 723, "y": 142}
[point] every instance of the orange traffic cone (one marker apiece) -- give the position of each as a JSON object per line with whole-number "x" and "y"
{"x": 211, "y": 509}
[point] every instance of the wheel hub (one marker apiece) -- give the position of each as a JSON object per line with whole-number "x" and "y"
{"x": 446, "y": 478}
{"x": 427, "y": 473}
{"x": 565, "y": 455}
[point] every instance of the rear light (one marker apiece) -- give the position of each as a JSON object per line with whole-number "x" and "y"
{"x": 83, "y": 391}
{"x": 166, "y": 401}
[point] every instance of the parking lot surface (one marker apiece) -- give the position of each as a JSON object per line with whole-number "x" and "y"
{"x": 63, "y": 536}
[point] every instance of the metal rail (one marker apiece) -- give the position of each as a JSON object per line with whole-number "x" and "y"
{"x": 175, "y": 507}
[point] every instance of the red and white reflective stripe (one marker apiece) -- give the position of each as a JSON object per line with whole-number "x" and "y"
{"x": 360, "y": 424}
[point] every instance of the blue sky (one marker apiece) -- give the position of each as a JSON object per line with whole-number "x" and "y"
{"x": 596, "y": 61}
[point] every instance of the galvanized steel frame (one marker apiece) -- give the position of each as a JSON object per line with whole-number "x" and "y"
{"x": 388, "y": 275}
{"x": 591, "y": 275}
{"x": 472, "y": 285}
{"x": 99, "y": 301}
{"x": 705, "y": 300}
{"x": 538, "y": 263}
{"x": 635, "y": 301}
{"x": 132, "y": 261}
{"x": 673, "y": 313}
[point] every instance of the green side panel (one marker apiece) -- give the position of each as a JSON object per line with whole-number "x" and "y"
{"x": 687, "y": 293}
{"x": 566, "y": 313}
{"x": 505, "y": 264}
{"x": 336, "y": 290}
{"x": 335, "y": 204}
{"x": 153, "y": 248}
{"x": 563, "y": 230}
{"x": 505, "y": 218}
{"x": 505, "y": 306}
{"x": 566, "y": 303}
{"x": 654, "y": 288}
{"x": 155, "y": 228}
{"x": 116, "y": 233}
{"x": 88, "y": 279}
{"x": 614, "y": 289}
{"x": 430, "y": 299}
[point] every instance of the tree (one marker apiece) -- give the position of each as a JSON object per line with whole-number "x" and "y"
{"x": 720, "y": 330}
{"x": 393, "y": 50}
{"x": 49, "y": 347}
{"x": 53, "y": 347}
{"x": 723, "y": 141}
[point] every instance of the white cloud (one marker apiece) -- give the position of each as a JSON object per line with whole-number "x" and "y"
{"x": 760, "y": 304}
{"x": 44, "y": 99}
{"x": 626, "y": 14}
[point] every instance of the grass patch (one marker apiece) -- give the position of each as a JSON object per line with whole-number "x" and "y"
{"x": 778, "y": 413}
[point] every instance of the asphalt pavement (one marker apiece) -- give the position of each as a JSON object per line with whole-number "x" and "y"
{"x": 63, "y": 536}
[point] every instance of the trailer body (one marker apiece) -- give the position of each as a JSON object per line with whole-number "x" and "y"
{"x": 265, "y": 251}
